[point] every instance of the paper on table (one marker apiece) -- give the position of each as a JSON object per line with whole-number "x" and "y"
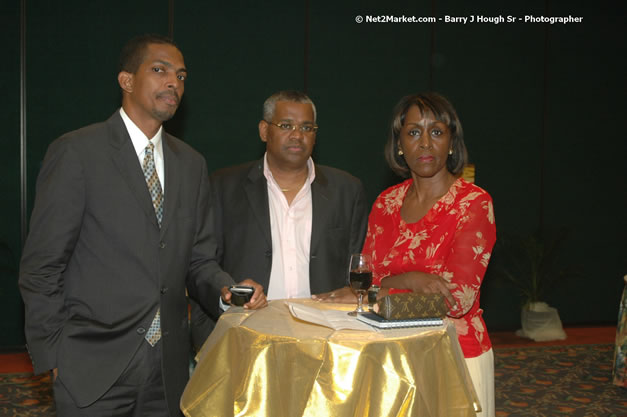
{"x": 333, "y": 319}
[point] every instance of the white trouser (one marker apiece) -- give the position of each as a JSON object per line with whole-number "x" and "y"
{"x": 481, "y": 371}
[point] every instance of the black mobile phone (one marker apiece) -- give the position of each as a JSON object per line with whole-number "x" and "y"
{"x": 241, "y": 294}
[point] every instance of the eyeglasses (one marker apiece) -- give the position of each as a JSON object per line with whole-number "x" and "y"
{"x": 291, "y": 126}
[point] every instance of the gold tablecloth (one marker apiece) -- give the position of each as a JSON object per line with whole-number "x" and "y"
{"x": 267, "y": 363}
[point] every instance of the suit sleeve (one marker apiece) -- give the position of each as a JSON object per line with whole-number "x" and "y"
{"x": 359, "y": 221}
{"x": 54, "y": 229}
{"x": 206, "y": 278}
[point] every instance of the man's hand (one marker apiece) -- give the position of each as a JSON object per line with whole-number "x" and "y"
{"x": 257, "y": 301}
{"x": 55, "y": 373}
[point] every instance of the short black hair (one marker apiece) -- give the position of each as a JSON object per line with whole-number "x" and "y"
{"x": 133, "y": 52}
{"x": 443, "y": 111}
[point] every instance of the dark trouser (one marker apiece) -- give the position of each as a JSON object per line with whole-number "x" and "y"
{"x": 138, "y": 392}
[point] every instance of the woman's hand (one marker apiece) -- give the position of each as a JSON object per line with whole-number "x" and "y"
{"x": 341, "y": 295}
{"x": 420, "y": 282}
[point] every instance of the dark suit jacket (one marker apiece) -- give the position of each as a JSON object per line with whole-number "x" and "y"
{"x": 96, "y": 265}
{"x": 239, "y": 196}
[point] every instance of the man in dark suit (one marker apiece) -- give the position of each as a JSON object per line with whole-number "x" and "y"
{"x": 120, "y": 228}
{"x": 283, "y": 221}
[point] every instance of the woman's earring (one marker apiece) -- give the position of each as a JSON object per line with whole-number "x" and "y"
{"x": 450, "y": 151}
{"x": 400, "y": 152}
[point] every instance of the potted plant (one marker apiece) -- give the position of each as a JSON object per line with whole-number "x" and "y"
{"x": 529, "y": 264}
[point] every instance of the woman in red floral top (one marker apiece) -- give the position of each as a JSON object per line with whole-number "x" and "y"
{"x": 450, "y": 246}
{"x": 434, "y": 232}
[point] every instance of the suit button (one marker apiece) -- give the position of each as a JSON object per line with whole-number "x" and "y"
{"x": 161, "y": 245}
{"x": 164, "y": 290}
{"x": 141, "y": 330}
{"x": 269, "y": 253}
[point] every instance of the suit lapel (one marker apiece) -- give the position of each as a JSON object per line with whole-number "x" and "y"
{"x": 172, "y": 171}
{"x": 125, "y": 159}
{"x": 256, "y": 189}
{"x": 320, "y": 197}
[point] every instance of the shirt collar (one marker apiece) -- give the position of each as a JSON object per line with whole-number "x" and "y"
{"x": 270, "y": 178}
{"x": 140, "y": 141}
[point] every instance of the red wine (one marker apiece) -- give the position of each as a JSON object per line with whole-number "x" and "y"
{"x": 360, "y": 280}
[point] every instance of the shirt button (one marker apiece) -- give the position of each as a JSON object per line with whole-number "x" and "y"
{"x": 141, "y": 330}
{"x": 161, "y": 245}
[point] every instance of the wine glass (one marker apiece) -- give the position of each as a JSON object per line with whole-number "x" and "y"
{"x": 359, "y": 278}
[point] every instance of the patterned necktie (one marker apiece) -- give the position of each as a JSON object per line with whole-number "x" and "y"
{"x": 152, "y": 179}
{"x": 154, "y": 333}
{"x": 154, "y": 186}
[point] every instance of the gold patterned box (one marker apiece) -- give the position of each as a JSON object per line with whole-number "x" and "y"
{"x": 410, "y": 306}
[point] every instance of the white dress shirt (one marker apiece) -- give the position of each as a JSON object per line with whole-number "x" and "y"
{"x": 291, "y": 238}
{"x": 140, "y": 141}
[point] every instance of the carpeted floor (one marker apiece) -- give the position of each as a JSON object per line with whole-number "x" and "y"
{"x": 573, "y": 380}
{"x": 25, "y": 395}
{"x": 566, "y": 380}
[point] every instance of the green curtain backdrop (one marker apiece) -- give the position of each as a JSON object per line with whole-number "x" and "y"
{"x": 541, "y": 107}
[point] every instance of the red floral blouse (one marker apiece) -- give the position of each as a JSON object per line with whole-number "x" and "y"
{"x": 453, "y": 240}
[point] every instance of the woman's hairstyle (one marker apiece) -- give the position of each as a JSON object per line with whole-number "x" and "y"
{"x": 443, "y": 111}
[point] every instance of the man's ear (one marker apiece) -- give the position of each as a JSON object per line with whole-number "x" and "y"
{"x": 125, "y": 79}
{"x": 263, "y": 131}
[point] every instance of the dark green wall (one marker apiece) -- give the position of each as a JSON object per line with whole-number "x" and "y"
{"x": 11, "y": 316}
{"x": 541, "y": 108}
{"x": 586, "y": 185}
